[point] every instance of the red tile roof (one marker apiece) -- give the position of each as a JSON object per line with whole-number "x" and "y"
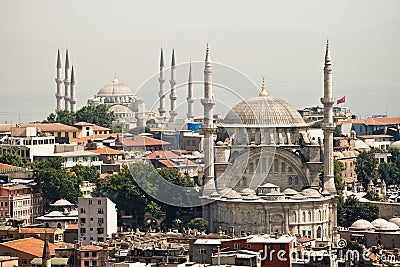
{"x": 164, "y": 154}
{"x": 44, "y": 127}
{"x": 141, "y": 141}
{"x": 90, "y": 247}
{"x": 7, "y": 168}
{"x": 30, "y": 245}
{"x": 107, "y": 151}
{"x": 72, "y": 226}
{"x": 37, "y": 230}
{"x": 371, "y": 121}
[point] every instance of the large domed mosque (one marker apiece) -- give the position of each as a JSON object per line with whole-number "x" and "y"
{"x": 264, "y": 178}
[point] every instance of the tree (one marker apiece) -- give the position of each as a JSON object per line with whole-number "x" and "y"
{"x": 366, "y": 168}
{"x": 98, "y": 115}
{"x": 55, "y": 182}
{"x": 199, "y": 224}
{"x": 61, "y": 116}
{"x": 372, "y": 196}
{"x": 353, "y": 210}
{"x": 11, "y": 159}
{"x": 86, "y": 173}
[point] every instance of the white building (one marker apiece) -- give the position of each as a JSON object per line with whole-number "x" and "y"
{"x": 97, "y": 219}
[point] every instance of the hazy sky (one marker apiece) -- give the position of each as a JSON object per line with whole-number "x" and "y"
{"x": 283, "y": 40}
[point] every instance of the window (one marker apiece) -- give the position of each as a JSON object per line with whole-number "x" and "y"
{"x": 91, "y": 229}
{"x": 94, "y": 254}
{"x": 202, "y": 251}
{"x": 83, "y": 210}
{"x": 100, "y": 230}
{"x": 100, "y": 220}
{"x": 99, "y": 202}
{"x": 236, "y": 246}
{"x": 283, "y": 167}
{"x": 100, "y": 239}
{"x": 276, "y": 166}
{"x": 90, "y": 202}
{"x": 24, "y": 261}
{"x": 248, "y": 246}
{"x": 83, "y": 230}
{"x": 281, "y": 246}
{"x": 94, "y": 263}
{"x": 83, "y": 220}
{"x": 86, "y": 263}
{"x": 100, "y": 211}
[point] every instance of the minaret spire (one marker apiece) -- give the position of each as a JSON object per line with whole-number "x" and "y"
{"x": 46, "y": 257}
{"x": 58, "y": 82}
{"x": 73, "y": 98}
{"x": 190, "y": 100}
{"x": 208, "y": 128}
{"x": 161, "y": 93}
{"x": 67, "y": 83}
{"x": 328, "y": 125}
{"x": 172, "y": 95}
{"x": 263, "y": 92}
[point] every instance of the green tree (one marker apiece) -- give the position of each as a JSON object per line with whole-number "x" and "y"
{"x": 366, "y": 168}
{"x": 353, "y": 210}
{"x": 11, "y": 159}
{"x": 372, "y": 196}
{"x": 199, "y": 224}
{"x": 55, "y": 182}
{"x": 98, "y": 115}
{"x": 86, "y": 173}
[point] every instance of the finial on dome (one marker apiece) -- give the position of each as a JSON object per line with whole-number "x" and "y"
{"x": 263, "y": 92}
{"x": 115, "y": 80}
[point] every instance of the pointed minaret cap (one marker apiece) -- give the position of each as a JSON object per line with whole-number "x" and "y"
{"x": 173, "y": 58}
{"x": 207, "y": 53}
{"x": 66, "y": 60}
{"x": 263, "y": 92}
{"x": 327, "y": 53}
{"x": 162, "y": 58}
{"x": 58, "y": 59}
{"x": 72, "y": 75}
{"x": 115, "y": 80}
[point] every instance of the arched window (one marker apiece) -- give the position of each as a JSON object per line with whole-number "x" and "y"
{"x": 294, "y": 217}
{"x": 304, "y": 216}
{"x": 319, "y": 215}
{"x": 296, "y": 180}
{"x": 290, "y": 180}
{"x": 309, "y": 215}
{"x": 59, "y": 225}
{"x": 319, "y": 232}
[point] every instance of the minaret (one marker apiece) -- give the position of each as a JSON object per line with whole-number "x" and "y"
{"x": 66, "y": 83}
{"x": 172, "y": 95}
{"x": 208, "y": 128}
{"x": 328, "y": 126}
{"x": 59, "y": 81}
{"x": 46, "y": 257}
{"x": 190, "y": 100}
{"x": 72, "y": 99}
{"x": 161, "y": 93}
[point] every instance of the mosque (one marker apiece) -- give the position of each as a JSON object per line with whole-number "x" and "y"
{"x": 265, "y": 176}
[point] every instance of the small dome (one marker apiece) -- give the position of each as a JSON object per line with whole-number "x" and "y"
{"x": 360, "y": 225}
{"x": 62, "y": 202}
{"x": 395, "y": 220}
{"x": 383, "y": 225}
{"x": 309, "y": 192}
{"x": 268, "y": 185}
{"x": 220, "y": 143}
{"x": 120, "y": 109}
{"x": 247, "y": 191}
{"x": 298, "y": 197}
{"x": 251, "y": 197}
{"x": 290, "y": 192}
{"x": 395, "y": 145}
{"x": 115, "y": 89}
{"x": 233, "y": 195}
{"x": 54, "y": 213}
{"x": 264, "y": 111}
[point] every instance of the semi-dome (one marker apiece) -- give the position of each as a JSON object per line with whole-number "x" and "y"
{"x": 361, "y": 225}
{"x": 120, "y": 109}
{"x": 290, "y": 192}
{"x": 264, "y": 111}
{"x": 395, "y": 220}
{"x": 115, "y": 89}
{"x": 383, "y": 225}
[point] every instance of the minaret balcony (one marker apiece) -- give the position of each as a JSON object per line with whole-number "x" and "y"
{"x": 326, "y": 101}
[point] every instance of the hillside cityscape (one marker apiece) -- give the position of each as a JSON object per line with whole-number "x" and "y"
{"x": 199, "y": 164}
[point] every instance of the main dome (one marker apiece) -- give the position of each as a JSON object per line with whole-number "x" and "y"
{"x": 264, "y": 111}
{"x": 115, "y": 89}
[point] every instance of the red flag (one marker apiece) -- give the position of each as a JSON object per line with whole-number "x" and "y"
{"x": 341, "y": 100}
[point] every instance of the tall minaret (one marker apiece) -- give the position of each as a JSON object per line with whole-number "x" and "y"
{"x": 66, "y": 83}
{"x": 72, "y": 98}
{"x": 190, "y": 100}
{"x": 59, "y": 81}
{"x": 172, "y": 95}
{"x": 46, "y": 257}
{"x": 161, "y": 93}
{"x": 328, "y": 126}
{"x": 208, "y": 128}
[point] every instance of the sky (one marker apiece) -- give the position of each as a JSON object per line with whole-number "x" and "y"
{"x": 283, "y": 40}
